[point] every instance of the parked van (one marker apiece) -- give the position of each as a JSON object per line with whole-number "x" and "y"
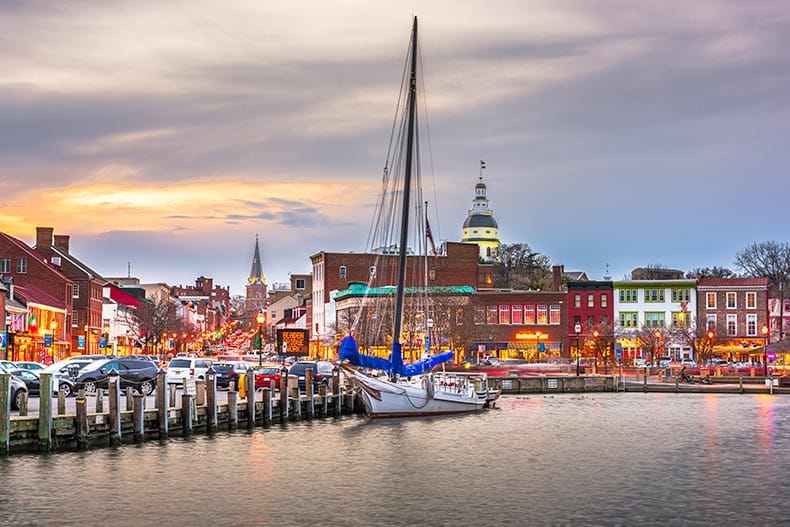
{"x": 181, "y": 368}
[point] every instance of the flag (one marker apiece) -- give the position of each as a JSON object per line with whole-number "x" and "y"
{"x": 32, "y": 327}
{"x": 482, "y": 164}
{"x": 429, "y": 235}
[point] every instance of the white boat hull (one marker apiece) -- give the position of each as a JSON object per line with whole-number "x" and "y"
{"x": 449, "y": 395}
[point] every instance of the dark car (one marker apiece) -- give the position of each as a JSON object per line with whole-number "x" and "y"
{"x": 229, "y": 371}
{"x": 322, "y": 372}
{"x": 33, "y": 382}
{"x": 140, "y": 374}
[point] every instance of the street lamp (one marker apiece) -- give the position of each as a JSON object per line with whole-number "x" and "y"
{"x": 578, "y": 329}
{"x": 764, "y": 331}
{"x": 656, "y": 335}
{"x": 261, "y": 320}
{"x": 596, "y": 334}
{"x": 106, "y": 338}
{"x": 537, "y": 346}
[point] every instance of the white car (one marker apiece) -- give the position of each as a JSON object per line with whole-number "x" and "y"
{"x": 181, "y": 368}
{"x": 689, "y": 363}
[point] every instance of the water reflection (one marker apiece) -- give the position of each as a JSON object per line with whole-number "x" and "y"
{"x": 592, "y": 459}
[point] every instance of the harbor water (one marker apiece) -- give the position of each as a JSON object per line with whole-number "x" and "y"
{"x": 583, "y": 459}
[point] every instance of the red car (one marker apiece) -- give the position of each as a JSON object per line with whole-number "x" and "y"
{"x": 267, "y": 373}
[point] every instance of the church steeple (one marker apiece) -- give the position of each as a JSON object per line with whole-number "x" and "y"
{"x": 256, "y": 272}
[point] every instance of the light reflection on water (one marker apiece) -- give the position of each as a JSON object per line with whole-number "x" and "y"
{"x": 592, "y": 459}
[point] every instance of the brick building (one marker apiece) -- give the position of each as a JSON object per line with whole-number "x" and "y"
{"x": 591, "y": 305}
{"x": 47, "y": 295}
{"x": 87, "y": 324}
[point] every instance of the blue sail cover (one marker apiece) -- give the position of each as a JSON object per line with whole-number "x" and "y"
{"x": 350, "y": 352}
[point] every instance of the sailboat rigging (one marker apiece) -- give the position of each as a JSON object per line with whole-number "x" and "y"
{"x": 409, "y": 389}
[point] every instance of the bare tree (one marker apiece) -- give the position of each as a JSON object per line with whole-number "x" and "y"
{"x": 652, "y": 339}
{"x": 698, "y": 337}
{"x": 771, "y": 260}
{"x": 710, "y": 272}
{"x": 603, "y": 338}
{"x": 518, "y": 267}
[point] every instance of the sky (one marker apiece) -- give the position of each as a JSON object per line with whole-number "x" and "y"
{"x": 164, "y": 136}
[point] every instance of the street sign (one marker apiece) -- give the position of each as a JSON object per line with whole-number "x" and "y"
{"x": 102, "y": 342}
{"x": 48, "y": 341}
{"x": 81, "y": 341}
{"x": 541, "y": 347}
{"x": 618, "y": 350}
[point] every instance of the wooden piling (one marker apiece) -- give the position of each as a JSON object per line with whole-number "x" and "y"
{"x": 249, "y": 385}
{"x": 23, "y": 402}
{"x": 210, "y": 389}
{"x": 45, "y": 413}
{"x": 283, "y": 394}
{"x": 200, "y": 393}
{"x": 5, "y": 413}
{"x": 186, "y": 414}
{"x": 233, "y": 410}
{"x": 308, "y": 389}
{"x": 322, "y": 391}
{"x": 336, "y": 391}
{"x": 161, "y": 402}
{"x": 129, "y": 397}
{"x": 61, "y": 403}
{"x": 99, "y": 396}
{"x": 138, "y": 416}
{"x": 114, "y": 397}
{"x": 267, "y": 406}
{"x": 81, "y": 424}
{"x": 172, "y": 388}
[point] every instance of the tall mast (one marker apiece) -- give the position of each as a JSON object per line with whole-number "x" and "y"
{"x": 404, "y": 228}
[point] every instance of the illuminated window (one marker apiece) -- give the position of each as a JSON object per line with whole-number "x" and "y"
{"x": 504, "y": 314}
{"x": 680, "y": 319}
{"x": 529, "y": 314}
{"x": 480, "y": 315}
{"x": 491, "y": 314}
{"x": 554, "y": 314}
{"x": 751, "y": 325}
{"x": 543, "y": 314}
{"x": 732, "y": 300}
{"x": 710, "y": 300}
{"x": 604, "y": 300}
{"x": 751, "y": 300}
{"x": 590, "y": 300}
{"x": 577, "y": 300}
{"x": 517, "y": 314}
{"x": 732, "y": 325}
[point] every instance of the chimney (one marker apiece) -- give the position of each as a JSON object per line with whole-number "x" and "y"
{"x": 62, "y": 242}
{"x": 556, "y": 277}
{"x": 44, "y": 237}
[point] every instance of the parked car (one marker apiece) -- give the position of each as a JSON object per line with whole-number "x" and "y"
{"x": 230, "y": 371}
{"x": 33, "y": 382}
{"x": 7, "y": 365}
{"x": 640, "y": 363}
{"x": 18, "y": 389}
{"x": 322, "y": 372}
{"x": 181, "y": 368}
{"x": 64, "y": 372}
{"x": 152, "y": 358}
{"x": 688, "y": 363}
{"x": 717, "y": 363}
{"x": 664, "y": 362}
{"x": 32, "y": 366}
{"x": 140, "y": 374}
{"x": 267, "y": 373}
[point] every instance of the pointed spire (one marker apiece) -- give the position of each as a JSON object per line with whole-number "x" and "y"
{"x": 256, "y": 272}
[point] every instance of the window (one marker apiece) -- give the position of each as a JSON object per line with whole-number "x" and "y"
{"x": 732, "y": 325}
{"x": 711, "y": 322}
{"x": 5, "y": 265}
{"x": 604, "y": 320}
{"x": 517, "y": 314}
{"x": 21, "y": 265}
{"x": 372, "y": 272}
{"x": 751, "y": 300}
{"x": 554, "y": 314}
{"x": 459, "y": 316}
{"x": 710, "y": 300}
{"x": 681, "y": 295}
{"x": 343, "y": 272}
{"x": 491, "y": 313}
{"x": 604, "y": 300}
{"x": 300, "y": 283}
{"x": 654, "y": 295}
{"x": 590, "y": 300}
{"x": 654, "y": 319}
{"x": 628, "y": 320}
{"x": 732, "y": 301}
{"x": 432, "y": 275}
{"x": 529, "y": 314}
{"x": 480, "y": 314}
{"x": 751, "y": 325}
{"x": 577, "y": 300}
{"x": 628, "y": 295}
{"x": 590, "y": 321}
{"x": 543, "y": 314}
{"x": 504, "y": 314}
{"x": 75, "y": 290}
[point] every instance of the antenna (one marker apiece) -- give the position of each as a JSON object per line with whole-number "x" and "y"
{"x": 607, "y": 276}
{"x": 128, "y": 269}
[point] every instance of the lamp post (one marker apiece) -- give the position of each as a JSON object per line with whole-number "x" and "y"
{"x": 764, "y": 331}
{"x": 656, "y": 336}
{"x": 596, "y": 334}
{"x": 537, "y": 346}
{"x": 578, "y": 329}
{"x": 260, "y": 318}
{"x": 106, "y": 338}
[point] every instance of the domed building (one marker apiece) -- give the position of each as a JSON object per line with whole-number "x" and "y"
{"x": 480, "y": 227}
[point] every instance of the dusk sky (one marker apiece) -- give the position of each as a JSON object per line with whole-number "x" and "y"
{"x": 169, "y": 134}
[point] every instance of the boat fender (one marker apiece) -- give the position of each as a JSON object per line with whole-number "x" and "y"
{"x": 427, "y": 382}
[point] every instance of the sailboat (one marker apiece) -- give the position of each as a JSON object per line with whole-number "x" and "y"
{"x": 413, "y": 389}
